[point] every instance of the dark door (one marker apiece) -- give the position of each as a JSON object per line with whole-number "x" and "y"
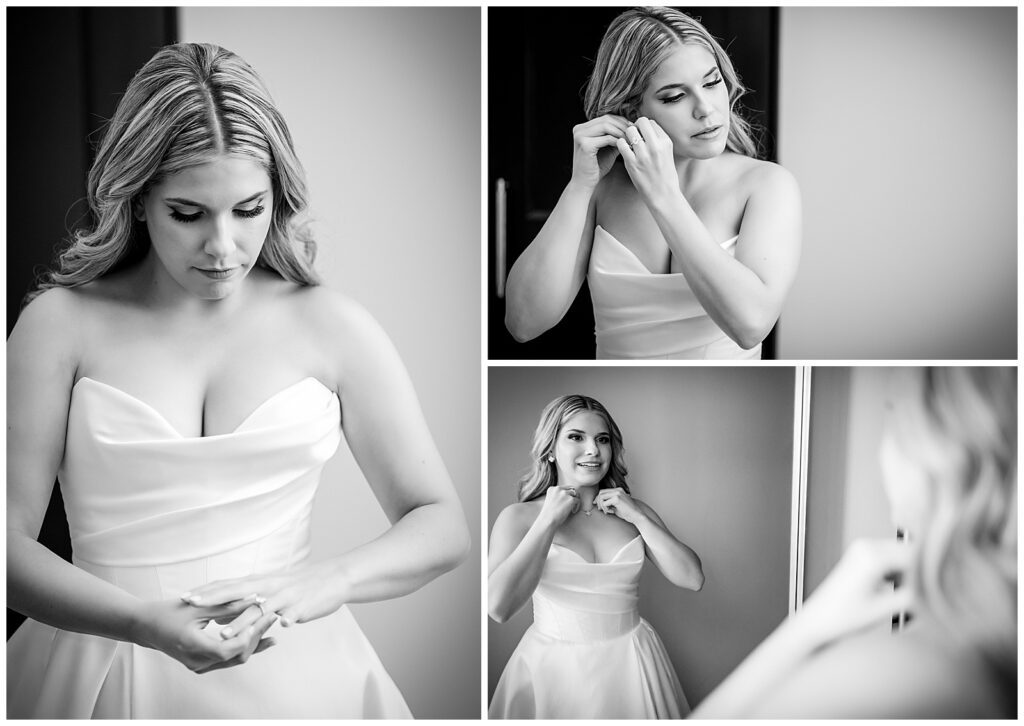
{"x": 539, "y": 60}
{"x": 66, "y": 69}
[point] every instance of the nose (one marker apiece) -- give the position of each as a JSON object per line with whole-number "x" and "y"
{"x": 702, "y": 106}
{"x": 220, "y": 243}
{"x": 590, "y": 447}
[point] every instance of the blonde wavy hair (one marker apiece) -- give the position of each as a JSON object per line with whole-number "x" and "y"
{"x": 633, "y": 48}
{"x": 959, "y": 426}
{"x": 190, "y": 103}
{"x": 543, "y": 474}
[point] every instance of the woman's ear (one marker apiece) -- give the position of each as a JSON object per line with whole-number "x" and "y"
{"x": 139, "y": 210}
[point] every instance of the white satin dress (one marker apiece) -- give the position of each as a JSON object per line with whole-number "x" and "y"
{"x": 588, "y": 653}
{"x": 642, "y": 315}
{"x": 158, "y": 514}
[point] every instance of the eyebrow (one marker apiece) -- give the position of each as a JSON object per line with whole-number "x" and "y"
{"x": 581, "y": 431}
{"x": 190, "y": 203}
{"x": 712, "y": 70}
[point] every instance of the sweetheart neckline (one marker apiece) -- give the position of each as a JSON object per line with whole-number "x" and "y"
{"x": 163, "y": 419}
{"x": 633, "y": 254}
{"x": 585, "y": 561}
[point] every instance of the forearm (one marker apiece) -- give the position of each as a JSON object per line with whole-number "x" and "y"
{"x": 50, "y": 590}
{"x": 546, "y": 277}
{"x": 512, "y": 582}
{"x": 732, "y": 294}
{"x": 758, "y": 675}
{"x": 677, "y": 562}
{"x": 424, "y": 544}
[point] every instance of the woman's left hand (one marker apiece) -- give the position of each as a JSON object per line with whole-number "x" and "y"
{"x": 297, "y": 596}
{"x": 647, "y": 154}
{"x": 616, "y": 501}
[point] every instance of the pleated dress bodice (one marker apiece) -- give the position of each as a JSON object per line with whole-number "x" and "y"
{"x": 639, "y": 314}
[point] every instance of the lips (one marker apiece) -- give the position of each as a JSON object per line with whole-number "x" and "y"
{"x": 217, "y": 273}
{"x": 594, "y": 465}
{"x": 708, "y": 132}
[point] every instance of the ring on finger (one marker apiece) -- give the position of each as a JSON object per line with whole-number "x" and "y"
{"x": 259, "y": 604}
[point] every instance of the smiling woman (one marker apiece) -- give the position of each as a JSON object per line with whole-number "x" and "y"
{"x": 184, "y": 375}
{"x": 575, "y": 544}
{"x": 688, "y": 242}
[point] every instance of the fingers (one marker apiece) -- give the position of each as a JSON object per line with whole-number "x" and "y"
{"x": 248, "y": 616}
{"x": 221, "y": 612}
{"x": 225, "y": 591}
{"x": 608, "y": 124}
{"x": 592, "y": 144}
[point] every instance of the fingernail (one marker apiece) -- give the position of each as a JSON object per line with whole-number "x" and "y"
{"x": 285, "y": 622}
{"x": 195, "y": 599}
{"x": 185, "y": 596}
{"x": 227, "y": 632}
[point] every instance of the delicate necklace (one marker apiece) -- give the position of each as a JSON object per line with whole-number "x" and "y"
{"x": 588, "y": 512}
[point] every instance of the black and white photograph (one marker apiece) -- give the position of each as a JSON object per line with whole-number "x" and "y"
{"x": 779, "y": 183}
{"x": 497, "y": 361}
{"x": 738, "y": 542}
{"x": 243, "y": 283}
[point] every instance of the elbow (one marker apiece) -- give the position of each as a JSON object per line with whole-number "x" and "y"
{"x": 498, "y": 616}
{"x": 749, "y": 333}
{"x": 457, "y": 549}
{"x": 697, "y": 583}
{"x": 518, "y": 328}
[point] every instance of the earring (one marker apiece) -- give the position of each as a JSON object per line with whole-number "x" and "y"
{"x": 551, "y": 460}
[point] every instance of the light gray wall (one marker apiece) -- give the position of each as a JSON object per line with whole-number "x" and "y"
{"x": 846, "y": 498}
{"x": 901, "y": 126}
{"x": 708, "y": 448}
{"x": 384, "y": 107}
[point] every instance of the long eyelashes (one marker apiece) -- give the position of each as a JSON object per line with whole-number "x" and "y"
{"x": 241, "y": 213}
{"x": 681, "y": 96}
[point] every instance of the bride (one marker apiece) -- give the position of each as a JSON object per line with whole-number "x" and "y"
{"x": 576, "y": 543}
{"x": 690, "y": 245}
{"x": 186, "y": 378}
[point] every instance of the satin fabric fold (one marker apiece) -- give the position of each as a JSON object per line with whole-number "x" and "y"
{"x": 589, "y": 654}
{"x": 157, "y": 514}
{"x": 642, "y": 315}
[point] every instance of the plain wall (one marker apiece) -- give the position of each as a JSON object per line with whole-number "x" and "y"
{"x": 900, "y": 125}
{"x": 710, "y": 450}
{"x": 383, "y": 105}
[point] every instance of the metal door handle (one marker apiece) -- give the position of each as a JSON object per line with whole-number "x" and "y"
{"x": 500, "y": 240}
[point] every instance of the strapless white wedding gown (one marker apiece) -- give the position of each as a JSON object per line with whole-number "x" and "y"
{"x": 640, "y": 314}
{"x": 158, "y": 514}
{"x": 589, "y": 654}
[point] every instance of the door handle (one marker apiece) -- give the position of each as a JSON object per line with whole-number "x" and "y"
{"x": 500, "y": 238}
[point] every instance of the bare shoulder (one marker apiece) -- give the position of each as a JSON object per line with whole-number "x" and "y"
{"x": 879, "y": 675}
{"x": 56, "y": 314}
{"x": 329, "y": 311}
{"x": 760, "y": 177}
{"x": 518, "y": 517}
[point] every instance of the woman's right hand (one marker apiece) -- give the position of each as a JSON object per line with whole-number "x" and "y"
{"x": 558, "y": 505}
{"x": 594, "y": 148}
{"x": 177, "y": 629}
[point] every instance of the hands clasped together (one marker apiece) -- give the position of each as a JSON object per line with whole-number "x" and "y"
{"x": 246, "y": 606}
{"x": 645, "y": 148}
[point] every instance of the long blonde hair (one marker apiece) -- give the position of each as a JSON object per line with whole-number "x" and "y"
{"x": 542, "y": 473}
{"x": 959, "y": 426}
{"x": 190, "y": 103}
{"x": 633, "y": 48}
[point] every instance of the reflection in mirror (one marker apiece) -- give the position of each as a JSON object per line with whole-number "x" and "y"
{"x": 931, "y": 453}
{"x": 707, "y": 449}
